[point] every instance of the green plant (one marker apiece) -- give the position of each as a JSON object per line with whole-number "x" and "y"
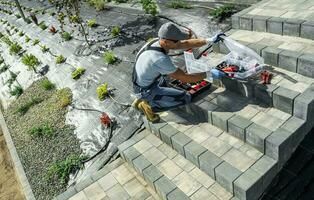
{"x": 110, "y": 57}
{"x": 62, "y": 169}
{"x": 91, "y": 23}
{"x": 60, "y": 59}
{"x": 11, "y": 79}
{"x": 35, "y": 42}
{"x": 74, "y": 19}
{"x": 76, "y": 74}
{"x": 28, "y": 21}
{"x": 42, "y": 25}
{"x": 4, "y": 68}
{"x": 223, "y": 12}
{"x": 65, "y": 98}
{"x": 30, "y": 60}
{"x": 21, "y": 33}
{"x": 47, "y": 85}
{"x": 18, "y": 16}
{"x": 66, "y": 36}
{"x": 24, "y": 108}
{"x": 102, "y": 91}
{"x": 15, "y": 48}
{"x": 6, "y": 40}
{"x": 1, "y": 60}
{"x": 115, "y": 31}
{"x": 98, "y": 4}
{"x": 43, "y": 130}
{"x": 149, "y": 6}
{"x": 17, "y": 91}
{"x": 27, "y": 39}
{"x": 176, "y": 4}
{"x": 44, "y": 48}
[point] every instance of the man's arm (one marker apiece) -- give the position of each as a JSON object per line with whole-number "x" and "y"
{"x": 184, "y": 44}
{"x": 187, "y": 78}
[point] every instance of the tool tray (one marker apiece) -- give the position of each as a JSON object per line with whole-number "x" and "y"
{"x": 193, "y": 89}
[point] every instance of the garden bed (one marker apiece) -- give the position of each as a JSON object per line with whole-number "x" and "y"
{"x": 36, "y": 121}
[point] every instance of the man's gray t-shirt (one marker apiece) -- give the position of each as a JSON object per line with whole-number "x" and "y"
{"x": 151, "y": 64}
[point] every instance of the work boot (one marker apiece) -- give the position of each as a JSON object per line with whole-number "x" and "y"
{"x": 135, "y": 103}
{"x": 148, "y": 112}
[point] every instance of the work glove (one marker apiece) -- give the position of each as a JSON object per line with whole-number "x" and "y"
{"x": 216, "y": 38}
{"x": 215, "y": 74}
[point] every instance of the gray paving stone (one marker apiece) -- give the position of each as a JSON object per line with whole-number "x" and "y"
{"x": 166, "y": 133}
{"x": 146, "y": 123}
{"x": 151, "y": 175}
{"x": 260, "y": 23}
{"x": 179, "y": 141}
{"x": 249, "y": 185}
{"x": 292, "y": 27}
{"x": 288, "y": 60}
{"x": 264, "y": 93}
{"x": 283, "y": 99}
{"x": 246, "y": 22}
{"x": 267, "y": 167}
{"x": 257, "y": 48}
{"x": 125, "y": 145}
{"x": 220, "y": 118}
{"x": 192, "y": 152}
{"x": 208, "y": 163}
{"x": 226, "y": 174}
{"x": 140, "y": 163}
{"x": 235, "y": 21}
{"x": 177, "y": 194}
{"x": 237, "y": 126}
{"x": 307, "y": 30}
{"x": 275, "y": 25}
{"x": 130, "y": 154}
{"x": 256, "y": 135}
{"x": 164, "y": 187}
{"x": 271, "y": 55}
{"x": 207, "y": 109}
{"x": 305, "y": 65}
{"x": 155, "y": 127}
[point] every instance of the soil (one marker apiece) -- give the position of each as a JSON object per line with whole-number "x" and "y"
{"x": 9, "y": 186}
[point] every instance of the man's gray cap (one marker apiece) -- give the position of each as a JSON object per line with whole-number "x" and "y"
{"x": 171, "y": 31}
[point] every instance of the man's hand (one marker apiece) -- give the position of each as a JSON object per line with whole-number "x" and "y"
{"x": 216, "y": 38}
{"x": 215, "y": 74}
{"x": 187, "y": 78}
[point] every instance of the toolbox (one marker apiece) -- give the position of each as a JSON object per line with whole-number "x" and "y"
{"x": 193, "y": 89}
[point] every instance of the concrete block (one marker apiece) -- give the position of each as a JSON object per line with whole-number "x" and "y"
{"x": 151, "y": 175}
{"x": 237, "y": 126}
{"x": 275, "y": 25}
{"x": 155, "y": 127}
{"x": 264, "y": 93}
{"x": 208, "y": 163}
{"x": 271, "y": 55}
{"x": 207, "y": 109}
{"x": 292, "y": 27}
{"x": 246, "y": 22}
{"x": 226, "y": 174}
{"x": 220, "y": 118}
{"x": 283, "y": 99}
{"x": 256, "y": 135}
{"x": 164, "y": 187}
{"x": 192, "y": 152}
{"x": 179, "y": 141}
{"x": 235, "y": 21}
{"x": 125, "y": 145}
{"x": 307, "y": 30}
{"x": 260, "y": 23}
{"x": 305, "y": 65}
{"x": 177, "y": 194}
{"x": 288, "y": 60}
{"x": 249, "y": 185}
{"x": 223, "y": 48}
{"x": 140, "y": 163}
{"x": 166, "y": 133}
{"x": 257, "y": 48}
{"x": 130, "y": 154}
{"x": 267, "y": 167}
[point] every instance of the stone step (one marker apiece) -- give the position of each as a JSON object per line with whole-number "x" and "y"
{"x": 239, "y": 168}
{"x": 282, "y": 17}
{"x": 116, "y": 180}
{"x": 169, "y": 173}
{"x": 290, "y": 53}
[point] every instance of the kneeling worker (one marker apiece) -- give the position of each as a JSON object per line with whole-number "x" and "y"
{"x": 152, "y": 63}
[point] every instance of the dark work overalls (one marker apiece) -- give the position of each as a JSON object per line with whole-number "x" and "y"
{"x": 158, "y": 95}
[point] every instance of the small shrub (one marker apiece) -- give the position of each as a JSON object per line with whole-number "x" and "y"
{"x": 65, "y": 98}
{"x": 92, "y": 23}
{"x": 44, "y": 48}
{"x": 74, "y": 19}
{"x": 21, "y": 33}
{"x": 102, "y": 91}
{"x": 60, "y": 59}
{"x": 98, "y": 4}
{"x": 12, "y": 78}
{"x": 149, "y": 6}
{"x": 15, "y": 48}
{"x": 115, "y": 31}
{"x": 27, "y": 39}
{"x": 18, "y": 16}
{"x": 43, "y": 26}
{"x": 66, "y": 36}
{"x": 35, "y": 42}
{"x": 3, "y": 69}
{"x": 110, "y": 57}
{"x": 28, "y": 21}
{"x": 223, "y": 12}
{"x": 62, "y": 169}
{"x": 30, "y": 60}
{"x": 47, "y": 85}
{"x": 24, "y": 108}
{"x": 6, "y": 40}
{"x": 1, "y": 60}
{"x": 17, "y": 91}
{"x": 43, "y": 130}
{"x": 78, "y": 73}
{"x": 176, "y": 4}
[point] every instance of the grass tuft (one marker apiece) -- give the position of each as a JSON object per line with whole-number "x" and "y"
{"x": 78, "y": 73}
{"x": 30, "y": 60}
{"x": 110, "y": 57}
{"x": 47, "y": 85}
{"x": 22, "y": 110}
{"x": 43, "y": 130}
{"x": 60, "y": 59}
